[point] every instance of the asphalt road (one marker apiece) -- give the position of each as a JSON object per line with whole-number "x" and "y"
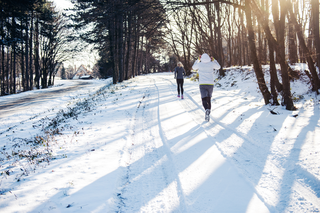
{"x": 11, "y": 106}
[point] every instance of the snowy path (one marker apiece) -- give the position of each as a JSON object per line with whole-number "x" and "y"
{"x": 138, "y": 148}
{"x": 175, "y": 165}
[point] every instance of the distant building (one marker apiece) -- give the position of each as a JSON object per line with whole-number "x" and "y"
{"x": 86, "y": 77}
{"x": 82, "y": 73}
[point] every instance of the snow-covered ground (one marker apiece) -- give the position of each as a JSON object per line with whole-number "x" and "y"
{"x": 136, "y": 147}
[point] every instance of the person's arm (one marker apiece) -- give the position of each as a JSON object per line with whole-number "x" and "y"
{"x": 195, "y": 65}
{"x": 216, "y": 64}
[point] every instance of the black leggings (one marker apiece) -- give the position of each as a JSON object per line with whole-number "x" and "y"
{"x": 180, "y": 86}
{"x": 206, "y": 102}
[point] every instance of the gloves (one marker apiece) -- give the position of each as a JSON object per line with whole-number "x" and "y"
{"x": 212, "y": 58}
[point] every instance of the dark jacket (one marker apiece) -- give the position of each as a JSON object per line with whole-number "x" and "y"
{"x": 179, "y": 73}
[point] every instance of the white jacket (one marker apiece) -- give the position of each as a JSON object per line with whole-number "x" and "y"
{"x": 205, "y": 69}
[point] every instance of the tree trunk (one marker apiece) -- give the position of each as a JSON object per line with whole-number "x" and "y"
{"x": 7, "y": 70}
{"x": 257, "y": 67}
{"x": 139, "y": 56}
{"x": 135, "y": 52}
{"x": 284, "y": 66}
{"x": 30, "y": 52}
{"x": 273, "y": 75}
{"x": 293, "y": 56}
{"x": 14, "y": 68}
{"x": 36, "y": 54}
{"x": 220, "y": 49}
{"x": 112, "y": 50}
{"x": 27, "y": 55}
{"x": 22, "y": 60}
{"x": 2, "y": 66}
{"x": 128, "y": 45}
{"x": 306, "y": 51}
{"x": 120, "y": 46}
{"x": 315, "y": 12}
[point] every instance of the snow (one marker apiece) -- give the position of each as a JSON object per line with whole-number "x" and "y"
{"x": 136, "y": 147}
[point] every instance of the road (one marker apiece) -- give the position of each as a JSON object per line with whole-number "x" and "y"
{"x": 18, "y": 104}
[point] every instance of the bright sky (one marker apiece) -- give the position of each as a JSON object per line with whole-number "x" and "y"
{"x": 62, "y": 4}
{"x": 84, "y": 58}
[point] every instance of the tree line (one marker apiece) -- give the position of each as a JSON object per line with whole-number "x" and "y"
{"x": 33, "y": 45}
{"x": 244, "y": 32}
{"x": 132, "y": 36}
{"x": 127, "y": 34}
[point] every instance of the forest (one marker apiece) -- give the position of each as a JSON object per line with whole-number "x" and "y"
{"x": 144, "y": 36}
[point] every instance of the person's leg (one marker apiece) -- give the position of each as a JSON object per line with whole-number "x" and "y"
{"x": 210, "y": 90}
{"x": 207, "y": 106}
{"x": 205, "y": 103}
{"x": 178, "y": 87}
{"x": 204, "y": 94}
{"x": 209, "y": 102}
{"x": 182, "y": 86}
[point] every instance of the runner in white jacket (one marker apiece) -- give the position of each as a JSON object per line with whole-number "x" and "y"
{"x": 205, "y": 67}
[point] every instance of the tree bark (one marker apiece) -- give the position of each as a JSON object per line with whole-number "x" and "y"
{"x": 2, "y": 66}
{"x": 293, "y": 56}
{"x": 120, "y": 46}
{"x": 128, "y": 45}
{"x": 30, "y": 52}
{"x": 36, "y": 54}
{"x": 220, "y": 49}
{"x": 273, "y": 76}
{"x": 315, "y": 12}
{"x": 284, "y": 66}
{"x": 257, "y": 67}
{"x": 112, "y": 50}
{"x": 27, "y": 55}
{"x": 316, "y": 81}
{"x": 135, "y": 52}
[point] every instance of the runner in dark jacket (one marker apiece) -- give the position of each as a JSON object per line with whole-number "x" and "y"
{"x": 179, "y": 73}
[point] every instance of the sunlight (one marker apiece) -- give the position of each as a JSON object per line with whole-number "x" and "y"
{"x": 58, "y": 182}
{"x": 231, "y": 144}
{"x": 282, "y": 158}
{"x": 187, "y": 142}
{"x": 254, "y": 205}
{"x": 150, "y": 169}
{"x": 167, "y": 200}
{"x": 247, "y": 124}
{"x": 200, "y": 170}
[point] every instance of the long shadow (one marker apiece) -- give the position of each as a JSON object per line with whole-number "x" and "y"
{"x": 193, "y": 153}
{"x": 252, "y": 168}
{"x": 220, "y": 191}
{"x": 95, "y": 197}
{"x": 140, "y": 182}
{"x": 294, "y": 173}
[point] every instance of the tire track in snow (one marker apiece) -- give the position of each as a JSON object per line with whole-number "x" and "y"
{"x": 147, "y": 184}
{"x": 168, "y": 152}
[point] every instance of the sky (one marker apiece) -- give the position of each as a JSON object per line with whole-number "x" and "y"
{"x": 62, "y": 4}
{"x": 87, "y": 57}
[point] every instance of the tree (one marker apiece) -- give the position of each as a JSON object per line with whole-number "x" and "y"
{"x": 111, "y": 27}
{"x": 256, "y": 65}
{"x": 24, "y": 30}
